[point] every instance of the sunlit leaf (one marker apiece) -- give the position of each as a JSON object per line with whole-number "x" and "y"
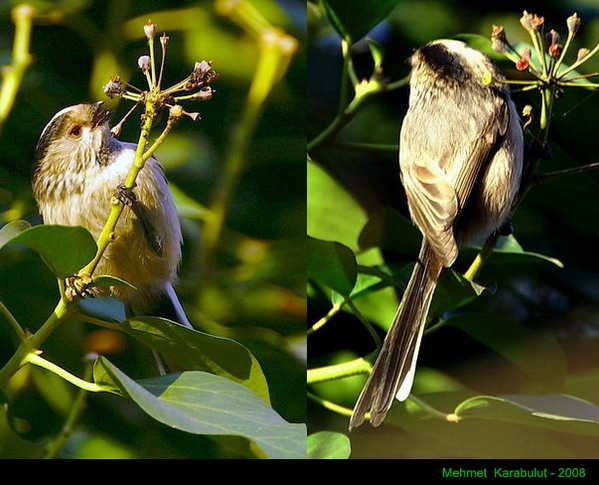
{"x": 327, "y": 444}
{"x": 64, "y": 249}
{"x": 328, "y": 207}
{"x": 203, "y": 403}
{"x": 554, "y": 411}
{"x": 195, "y": 350}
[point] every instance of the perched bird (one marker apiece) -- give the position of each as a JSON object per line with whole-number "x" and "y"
{"x": 79, "y": 167}
{"x": 460, "y": 160}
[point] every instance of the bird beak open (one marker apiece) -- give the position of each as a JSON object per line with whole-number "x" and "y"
{"x": 101, "y": 114}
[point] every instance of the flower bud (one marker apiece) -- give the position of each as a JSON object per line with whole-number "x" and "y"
{"x": 552, "y": 37}
{"x": 582, "y": 53}
{"x": 150, "y": 30}
{"x": 526, "y": 20}
{"x": 555, "y": 50}
{"x": 531, "y": 21}
{"x": 573, "y": 22}
{"x": 524, "y": 60}
{"x": 176, "y": 111}
{"x": 498, "y": 39}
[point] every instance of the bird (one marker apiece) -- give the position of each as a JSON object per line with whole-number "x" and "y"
{"x": 79, "y": 166}
{"x": 460, "y": 163}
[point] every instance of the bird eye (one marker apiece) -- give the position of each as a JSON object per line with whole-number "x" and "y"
{"x": 75, "y": 131}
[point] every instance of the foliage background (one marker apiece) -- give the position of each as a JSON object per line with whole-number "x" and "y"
{"x": 539, "y": 315}
{"x": 254, "y": 291}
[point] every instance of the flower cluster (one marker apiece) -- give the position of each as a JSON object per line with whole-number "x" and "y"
{"x": 547, "y": 65}
{"x": 195, "y": 87}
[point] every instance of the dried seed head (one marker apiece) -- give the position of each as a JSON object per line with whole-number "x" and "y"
{"x": 144, "y": 63}
{"x": 150, "y": 30}
{"x": 499, "y": 39}
{"x": 115, "y": 87}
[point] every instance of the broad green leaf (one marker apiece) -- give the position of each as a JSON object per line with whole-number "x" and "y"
{"x": 508, "y": 250}
{"x": 353, "y": 19}
{"x": 195, "y": 350}
{"x": 332, "y": 264}
{"x": 535, "y": 353}
{"x": 12, "y": 229}
{"x": 64, "y": 249}
{"x": 553, "y": 411}
{"x": 333, "y": 214}
{"x": 327, "y": 444}
{"x": 202, "y": 403}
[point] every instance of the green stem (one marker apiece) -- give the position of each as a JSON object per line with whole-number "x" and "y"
{"x": 12, "y": 75}
{"x": 13, "y": 322}
{"x": 331, "y": 406}
{"x": 77, "y": 409}
{"x": 482, "y": 257}
{"x": 33, "y": 342}
{"x": 107, "y": 234}
{"x": 35, "y": 359}
{"x": 338, "y": 371}
{"x": 322, "y": 321}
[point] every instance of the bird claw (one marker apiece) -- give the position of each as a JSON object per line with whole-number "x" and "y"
{"x": 78, "y": 286}
{"x": 125, "y": 195}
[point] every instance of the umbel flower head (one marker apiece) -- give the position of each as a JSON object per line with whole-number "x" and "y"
{"x": 195, "y": 87}
{"x": 544, "y": 60}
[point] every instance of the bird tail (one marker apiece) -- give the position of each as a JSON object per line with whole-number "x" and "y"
{"x": 393, "y": 372}
{"x": 162, "y": 302}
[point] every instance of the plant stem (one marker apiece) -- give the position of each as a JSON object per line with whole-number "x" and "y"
{"x": 76, "y": 410}
{"x": 107, "y": 234}
{"x": 337, "y": 371}
{"x": 12, "y": 75}
{"x": 35, "y": 359}
{"x": 33, "y": 342}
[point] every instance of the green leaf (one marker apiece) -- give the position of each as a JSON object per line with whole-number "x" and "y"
{"x": 333, "y": 214}
{"x": 64, "y": 249}
{"x": 192, "y": 349}
{"x": 508, "y": 250}
{"x": 202, "y": 403}
{"x": 553, "y": 411}
{"x": 535, "y": 353}
{"x": 12, "y": 229}
{"x": 353, "y": 19}
{"x": 327, "y": 444}
{"x": 332, "y": 264}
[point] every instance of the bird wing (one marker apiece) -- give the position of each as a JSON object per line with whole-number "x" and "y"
{"x": 439, "y": 185}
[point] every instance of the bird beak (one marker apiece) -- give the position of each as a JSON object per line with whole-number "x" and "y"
{"x": 100, "y": 115}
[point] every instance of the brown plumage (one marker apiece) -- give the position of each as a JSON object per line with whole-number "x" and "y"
{"x": 460, "y": 158}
